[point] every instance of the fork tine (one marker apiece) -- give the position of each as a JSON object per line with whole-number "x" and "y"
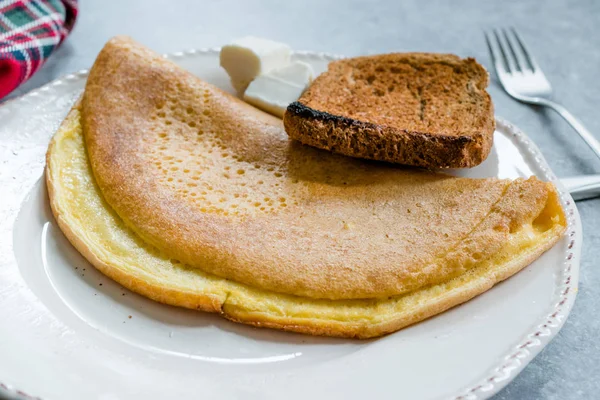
{"x": 498, "y": 60}
{"x": 508, "y": 61}
{"x": 530, "y": 60}
{"x": 517, "y": 56}
{"x": 493, "y": 52}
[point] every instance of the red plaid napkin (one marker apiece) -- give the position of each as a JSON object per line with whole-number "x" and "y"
{"x": 30, "y": 30}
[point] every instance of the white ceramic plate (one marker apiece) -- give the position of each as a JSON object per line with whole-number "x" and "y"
{"x": 69, "y": 333}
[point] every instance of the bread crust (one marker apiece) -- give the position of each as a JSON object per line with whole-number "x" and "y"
{"x": 363, "y": 139}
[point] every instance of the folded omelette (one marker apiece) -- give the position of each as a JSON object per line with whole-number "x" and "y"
{"x": 189, "y": 196}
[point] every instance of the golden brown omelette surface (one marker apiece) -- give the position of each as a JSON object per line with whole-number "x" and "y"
{"x": 101, "y": 236}
{"x": 217, "y": 185}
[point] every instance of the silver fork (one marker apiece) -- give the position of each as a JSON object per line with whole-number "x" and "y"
{"x": 522, "y": 78}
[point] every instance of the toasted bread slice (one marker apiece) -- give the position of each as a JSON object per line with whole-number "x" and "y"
{"x": 421, "y": 109}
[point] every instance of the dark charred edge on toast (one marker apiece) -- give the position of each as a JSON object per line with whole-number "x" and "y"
{"x": 305, "y": 111}
{"x": 300, "y": 110}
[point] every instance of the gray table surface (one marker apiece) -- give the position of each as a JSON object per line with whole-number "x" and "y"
{"x": 563, "y": 35}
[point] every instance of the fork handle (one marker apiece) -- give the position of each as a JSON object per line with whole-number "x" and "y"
{"x": 575, "y": 124}
{"x": 583, "y": 186}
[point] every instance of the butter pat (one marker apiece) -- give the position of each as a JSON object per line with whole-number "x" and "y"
{"x": 274, "y": 91}
{"x": 245, "y": 59}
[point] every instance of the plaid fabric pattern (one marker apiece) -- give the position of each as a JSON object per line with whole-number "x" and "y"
{"x": 30, "y": 30}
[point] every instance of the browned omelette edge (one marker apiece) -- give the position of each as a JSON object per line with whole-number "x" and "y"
{"x": 429, "y": 309}
{"x": 333, "y": 328}
{"x": 204, "y": 302}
